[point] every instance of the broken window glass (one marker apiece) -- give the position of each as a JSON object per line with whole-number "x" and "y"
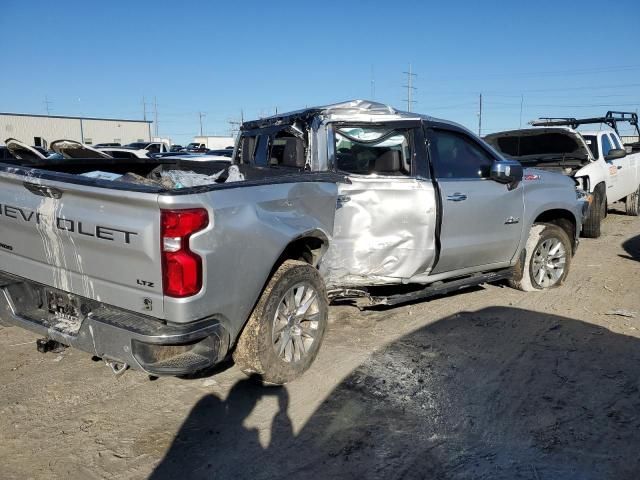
{"x": 373, "y": 151}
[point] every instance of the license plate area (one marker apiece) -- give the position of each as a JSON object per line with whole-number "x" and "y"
{"x": 64, "y": 311}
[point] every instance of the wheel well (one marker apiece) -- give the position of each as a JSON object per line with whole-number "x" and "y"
{"x": 308, "y": 249}
{"x": 562, "y": 218}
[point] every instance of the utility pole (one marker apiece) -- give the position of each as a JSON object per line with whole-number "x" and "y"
{"x": 234, "y": 125}
{"x": 144, "y": 109}
{"x": 480, "y": 118}
{"x": 47, "y": 102}
{"x": 410, "y": 88}
{"x": 373, "y": 84}
{"x": 521, "y": 103}
{"x": 155, "y": 114}
{"x": 200, "y": 114}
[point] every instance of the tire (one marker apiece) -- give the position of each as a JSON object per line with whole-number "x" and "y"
{"x": 633, "y": 203}
{"x": 597, "y": 212}
{"x": 546, "y": 241}
{"x": 281, "y": 357}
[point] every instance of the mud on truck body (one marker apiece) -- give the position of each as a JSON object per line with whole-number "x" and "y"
{"x": 354, "y": 199}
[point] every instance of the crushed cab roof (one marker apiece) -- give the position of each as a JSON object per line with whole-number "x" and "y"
{"x": 354, "y": 110}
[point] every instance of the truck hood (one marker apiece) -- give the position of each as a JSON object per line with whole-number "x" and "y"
{"x": 545, "y": 177}
{"x": 73, "y": 149}
{"x": 22, "y": 151}
{"x": 540, "y": 144}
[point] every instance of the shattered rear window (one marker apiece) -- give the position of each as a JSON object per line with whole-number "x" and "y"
{"x": 373, "y": 150}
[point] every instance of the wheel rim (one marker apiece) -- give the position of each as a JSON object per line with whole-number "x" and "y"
{"x": 548, "y": 262}
{"x": 296, "y": 322}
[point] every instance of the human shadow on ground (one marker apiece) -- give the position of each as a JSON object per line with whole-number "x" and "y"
{"x": 632, "y": 247}
{"x": 500, "y": 393}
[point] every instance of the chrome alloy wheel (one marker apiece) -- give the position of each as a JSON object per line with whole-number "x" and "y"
{"x": 548, "y": 262}
{"x": 295, "y": 324}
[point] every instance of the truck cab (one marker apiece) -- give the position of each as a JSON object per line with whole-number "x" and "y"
{"x": 417, "y": 187}
{"x": 621, "y": 167}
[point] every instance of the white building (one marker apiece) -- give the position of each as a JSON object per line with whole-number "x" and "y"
{"x": 40, "y": 130}
{"x": 214, "y": 142}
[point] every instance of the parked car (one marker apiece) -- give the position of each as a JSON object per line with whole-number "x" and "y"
{"x": 125, "y": 152}
{"x": 112, "y": 144}
{"x": 596, "y": 159}
{"x": 69, "y": 149}
{"x": 326, "y": 202}
{"x": 196, "y": 157}
{"x": 6, "y": 155}
{"x": 176, "y": 148}
{"x": 196, "y": 147}
{"x": 224, "y": 152}
{"x": 151, "y": 147}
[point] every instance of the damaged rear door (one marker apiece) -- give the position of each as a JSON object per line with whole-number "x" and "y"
{"x": 384, "y": 229}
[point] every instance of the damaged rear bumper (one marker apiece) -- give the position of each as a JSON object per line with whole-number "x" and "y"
{"x": 140, "y": 341}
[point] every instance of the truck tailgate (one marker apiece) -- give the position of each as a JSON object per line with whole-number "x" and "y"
{"x": 95, "y": 242}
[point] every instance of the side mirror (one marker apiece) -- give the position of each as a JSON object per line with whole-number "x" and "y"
{"x": 506, "y": 171}
{"x": 616, "y": 153}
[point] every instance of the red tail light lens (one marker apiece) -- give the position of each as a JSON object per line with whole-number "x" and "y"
{"x": 181, "y": 268}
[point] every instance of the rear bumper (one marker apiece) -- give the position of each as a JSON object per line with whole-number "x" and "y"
{"x": 140, "y": 341}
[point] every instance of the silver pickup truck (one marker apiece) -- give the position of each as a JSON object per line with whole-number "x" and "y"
{"x": 354, "y": 199}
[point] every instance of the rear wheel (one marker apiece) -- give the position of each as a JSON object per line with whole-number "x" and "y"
{"x": 283, "y": 335}
{"x": 547, "y": 260}
{"x": 597, "y": 212}
{"x": 633, "y": 203}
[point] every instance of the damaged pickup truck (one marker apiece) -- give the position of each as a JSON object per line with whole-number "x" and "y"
{"x": 354, "y": 199}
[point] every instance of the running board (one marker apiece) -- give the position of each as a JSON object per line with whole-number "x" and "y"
{"x": 444, "y": 287}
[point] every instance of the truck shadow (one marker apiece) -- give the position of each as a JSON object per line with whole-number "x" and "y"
{"x": 497, "y": 393}
{"x": 632, "y": 247}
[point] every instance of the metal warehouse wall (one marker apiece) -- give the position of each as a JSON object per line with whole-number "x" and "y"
{"x": 101, "y": 131}
{"x": 90, "y": 130}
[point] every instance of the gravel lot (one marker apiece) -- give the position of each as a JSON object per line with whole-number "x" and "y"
{"x": 488, "y": 383}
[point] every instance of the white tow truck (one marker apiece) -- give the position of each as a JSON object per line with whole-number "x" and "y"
{"x": 597, "y": 159}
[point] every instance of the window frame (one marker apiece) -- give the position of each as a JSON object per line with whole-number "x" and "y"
{"x": 430, "y": 129}
{"x": 614, "y": 140}
{"x": 605, "y": 137}
{"x": 415, "y": 138}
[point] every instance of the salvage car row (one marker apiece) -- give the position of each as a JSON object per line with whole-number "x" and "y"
{"x": 353, "y": 200}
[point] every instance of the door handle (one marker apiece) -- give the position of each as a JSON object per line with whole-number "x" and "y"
{"x": 619, "y": 167}
{"x": 457, "y": 197}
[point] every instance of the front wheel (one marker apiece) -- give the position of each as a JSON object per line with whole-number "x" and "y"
{"x": 547, "y": 259}
{"x": 592, "y": 225}
{"x": 285, "y": 330}
{"x": 633, "y": 203}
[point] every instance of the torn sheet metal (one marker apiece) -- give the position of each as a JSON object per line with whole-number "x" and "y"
{"x": 186, "y": 179}
{"x": 384, "y": 232}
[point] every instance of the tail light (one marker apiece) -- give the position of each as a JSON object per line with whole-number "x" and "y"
{"x": 181, "y": 268}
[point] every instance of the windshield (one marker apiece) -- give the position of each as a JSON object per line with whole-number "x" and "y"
{"x": 592, "y": 143}
{"x": 139, "y": 145}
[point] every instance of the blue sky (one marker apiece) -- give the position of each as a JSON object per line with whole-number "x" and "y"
{"x": 100, "y": 59}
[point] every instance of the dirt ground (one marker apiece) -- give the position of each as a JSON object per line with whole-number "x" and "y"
{"x": 487, "y": 383}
